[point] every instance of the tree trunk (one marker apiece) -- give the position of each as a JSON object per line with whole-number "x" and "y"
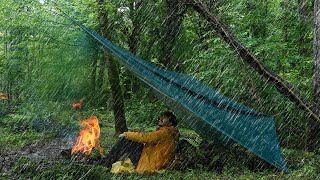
{"x": 131, "y": 83}
{"x": 172, "y": 24}
{"x": 117, "y": 96}
{"x": 93, "y": 76}
{"x": 113, "y": 75}
{"x": 100, "y": 80}
{"x": 314, "y": 134}
{"x": 7, "y": 82}
{"x": 282, "y": 86}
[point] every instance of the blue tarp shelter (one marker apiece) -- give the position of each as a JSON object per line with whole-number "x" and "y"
{"x": 208, "y": 112}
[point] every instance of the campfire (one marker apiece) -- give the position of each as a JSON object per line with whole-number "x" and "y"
{"x": 88, "y": 137}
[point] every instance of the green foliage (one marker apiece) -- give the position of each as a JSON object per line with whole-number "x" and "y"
{"x": 302, "y": 166}
{"x": 49, "y": 170}
{"x": 143, "y": 113}
{"x": 46, "y": 63}
{"x": 50, "y": 47}
{"x": 16, "y": 140}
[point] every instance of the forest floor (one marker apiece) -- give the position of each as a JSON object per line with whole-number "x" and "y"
{"x": 30, "y": 153}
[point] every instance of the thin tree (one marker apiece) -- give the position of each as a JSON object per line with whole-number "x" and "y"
{"x": 113, "y": 74}
{"x": 314, "y": 135}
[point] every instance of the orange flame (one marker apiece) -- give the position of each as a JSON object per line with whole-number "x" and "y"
{"x": 78, "y": 105}
{"x": 88, "y": 137}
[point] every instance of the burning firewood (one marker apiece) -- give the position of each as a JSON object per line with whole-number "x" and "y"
{"x": 88, "y": 137}
{"x": 78, "y": 105}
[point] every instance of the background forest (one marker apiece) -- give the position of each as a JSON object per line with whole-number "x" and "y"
{"x": 46, "y": 62}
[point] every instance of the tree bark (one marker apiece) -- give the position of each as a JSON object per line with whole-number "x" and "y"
{"x": 113, "y": 75}
{"x": 7, "y": 77}
{"x": 314, "y": 134}
{"x": 101, "y": 73}
{"x": 282, "y": 86}
{"x": 93, "y": 76}
{"x": 172, "y": 24}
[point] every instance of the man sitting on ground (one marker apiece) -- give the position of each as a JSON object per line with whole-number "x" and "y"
{"x": 149, "y": 152}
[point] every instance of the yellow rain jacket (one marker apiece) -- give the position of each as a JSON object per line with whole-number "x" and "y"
{"x": 159, "y": 148}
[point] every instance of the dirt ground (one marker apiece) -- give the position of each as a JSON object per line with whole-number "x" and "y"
{"x": 37, "y": 152}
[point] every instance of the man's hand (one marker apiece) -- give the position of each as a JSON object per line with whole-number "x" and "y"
{"x": 122, "y": 135}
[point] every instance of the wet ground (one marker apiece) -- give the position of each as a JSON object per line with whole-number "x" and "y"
{"x": 39, "y": 151}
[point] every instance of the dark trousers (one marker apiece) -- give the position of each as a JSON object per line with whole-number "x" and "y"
{"x": 123, "y": 148}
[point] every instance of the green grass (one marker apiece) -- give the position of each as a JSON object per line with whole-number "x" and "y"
{"x": 72, "y": 170}
{"x": 16, "y": 132}
{"x": 13, "y": 141}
